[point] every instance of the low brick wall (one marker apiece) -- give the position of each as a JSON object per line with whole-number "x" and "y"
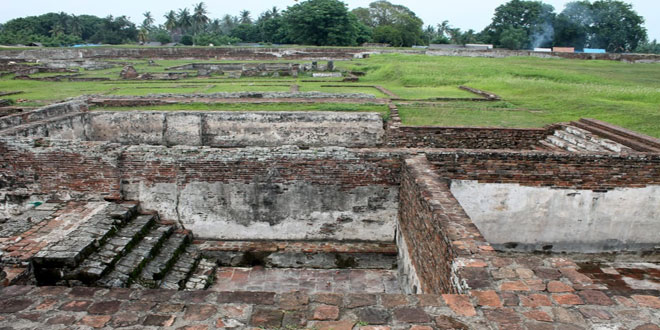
{"x": 259, "y": 193}
{"x": 466, "y": 137}
{"x": 52, "y": 166}
{"x": 421, "y": 227}
{"x": 547, "y": 169}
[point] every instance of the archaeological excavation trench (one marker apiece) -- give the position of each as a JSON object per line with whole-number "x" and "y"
{"x": 320, "y": 202}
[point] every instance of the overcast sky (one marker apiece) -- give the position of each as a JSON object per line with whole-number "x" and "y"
{"x": 465, "y": 14}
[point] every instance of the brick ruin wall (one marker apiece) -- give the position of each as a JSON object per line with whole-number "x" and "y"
{"x": 234, "y": 129}
{"x": 337, "y": 53}
{"x": 466, "y": 137}
{"x": 259, "y": 193}
{"x": 546, "y": 169}
{"x": 427, "y": 256}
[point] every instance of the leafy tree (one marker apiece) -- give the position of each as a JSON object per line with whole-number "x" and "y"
{"x": 609, "y": 24}
{"x": 616, "y": 26}
{"x": 534, "y": 18}
{"x": 321, "y": 23}
{"x": 187, "y": 40}
{"x": 513, "y": 38}
{"x": 572, "y": 26}
{"x": 403, "y": 21}
{"x": 652, "y": 47}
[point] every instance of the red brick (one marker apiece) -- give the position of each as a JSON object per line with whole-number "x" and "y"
{"x": 593, "y": 297}
{"x": 326, "y": 312}
{"x": 95, "y": 321}
{"x": 411, "y": 315}
{"x": 647, "y": 301}
{"x": 557, "y": 287}
{"x": 76, "y": 306}
{"x": 567, "y": 299}
{"x": 514, "y": 286}
{"x": 487, "y": 298}
{"x": 538, "y": 315}
{"x": 535, "y": 300}
{"x": 328, "y": 298}
{"x": 460, "y": 304}
{"x": 159, "y": 320}
{"x": 199, "y": 312}
{"x": 333, "y": 325}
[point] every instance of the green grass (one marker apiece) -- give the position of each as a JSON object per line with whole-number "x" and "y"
{"x": 536, "y": 92}
{"x": 545, "y": 90}
{"x": 380, "y": 108}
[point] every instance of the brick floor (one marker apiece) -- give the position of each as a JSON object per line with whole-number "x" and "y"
{"x": 306, "y": 280}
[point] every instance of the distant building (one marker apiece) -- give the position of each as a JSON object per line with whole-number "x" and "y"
{"x": 372, "y": 44}
{"x": 594, "y": 51}
{"x": 543, "y": 50}
{"x": 563, "y": 49}
{"x": 479, "y": 46}
{"x": 445, "y": 46}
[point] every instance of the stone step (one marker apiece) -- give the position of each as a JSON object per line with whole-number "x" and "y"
{"x": 579, "y": 141}
{"x": 563, "y": 144}
{"x": 545, "y": 145}
{"x": 202, "y": 277}
{"x": 647, "y": 141}
{"x": 101, "y": 262}
{"x": 625, "y": 140}
{"x": 155, "y": 270}
{"x": 604, "y": 143}
{"x": 184, "y": 267}
{"x": 130, "y": 266}
{"x": 66, "y": 254}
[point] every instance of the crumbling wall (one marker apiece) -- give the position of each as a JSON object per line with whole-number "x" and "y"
{"x": 466, "y": 137}
{"x": 547, "y": 169}
{"x": 237, "y": 129}
{"x": 51, "y": 111}
{"x": 259, "y": 193}
{"x": 60, "y": 166}
{"x": 568, "y": 220}
{"x": 431, "y": 256}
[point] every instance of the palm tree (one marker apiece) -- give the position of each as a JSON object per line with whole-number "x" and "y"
{"x": 228, "y": 23}
{"x": 171, "y": 21}
{"x": 215, "y": 26}
{"x": 184, "y": 20}
{"x": 245, "y": 17}
{"x": 75, "y": 26}
{"x": 274, "y": 12}
{"x": 148, "y": 21}
{"x": 199, "y": 16}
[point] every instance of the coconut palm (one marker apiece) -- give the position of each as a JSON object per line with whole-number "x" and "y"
{"x": 199, "y": 16}
{"x": 148, "y": 22}
{"x": 228, "y": 23}
{"x": 245, "y": 17}
{"x": 184, "y": 20}
{"x": 170, "y": 21}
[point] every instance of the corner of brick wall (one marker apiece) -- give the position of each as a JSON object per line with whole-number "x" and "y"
{"x": 441, "y": 239}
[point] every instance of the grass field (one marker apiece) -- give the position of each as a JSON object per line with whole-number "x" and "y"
{"x": 535, "y": 91}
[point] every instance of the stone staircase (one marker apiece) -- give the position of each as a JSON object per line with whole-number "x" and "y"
{"x": 575, "y": 139}
{"x": 119, "y": 247}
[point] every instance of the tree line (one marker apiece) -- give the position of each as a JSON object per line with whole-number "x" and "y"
{"x": 518, "y": 24}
